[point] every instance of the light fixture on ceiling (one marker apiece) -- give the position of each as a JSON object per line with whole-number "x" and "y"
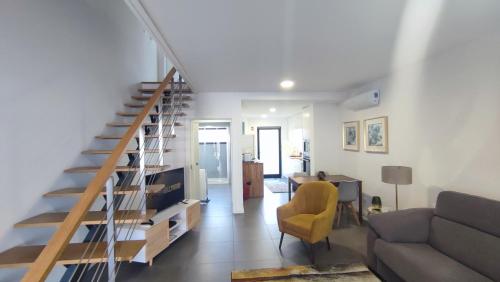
{"x": 306, "y": 115}
{"x": 287, "y": 84}
{"x": 272, "y": 110}
{"x": 263, "y": 116}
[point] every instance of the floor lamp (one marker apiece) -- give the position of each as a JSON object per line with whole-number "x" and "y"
{"x": 398, "y": 175}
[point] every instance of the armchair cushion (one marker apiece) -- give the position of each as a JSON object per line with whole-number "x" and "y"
{"x": 299, "y": 225}
{"x": 404, "y": 226}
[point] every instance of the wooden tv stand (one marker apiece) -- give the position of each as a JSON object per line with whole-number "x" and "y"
{"x": 159, "y": 236}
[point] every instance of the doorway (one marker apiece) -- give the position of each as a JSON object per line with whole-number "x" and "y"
{"x": 210, "y": 174}
{"x": 269, "y": 150}
{"x": 214, "y": 152}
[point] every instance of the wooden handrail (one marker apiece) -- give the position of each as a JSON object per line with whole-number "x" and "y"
{"x": 42, "y": 266}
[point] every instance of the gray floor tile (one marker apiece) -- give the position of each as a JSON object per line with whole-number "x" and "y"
{"x": 209, "y": 272}
{"x": 223, "y": 242}
{"x": 216, "y": 234}
{"x": 255, "y": 250}
{"x": 213, "y": 252}
{"x": 253, "y": 264}
{"x": 216, "y": 221}
{"x": 251, "y": 233}
{"x": 274, "y": 231}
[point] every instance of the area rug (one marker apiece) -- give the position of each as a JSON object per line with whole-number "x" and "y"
{"x": 307, "y": 273}
{"x": 277, "y": 185}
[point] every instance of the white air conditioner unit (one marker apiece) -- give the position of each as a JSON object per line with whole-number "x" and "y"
{"x": 362, "y": 101}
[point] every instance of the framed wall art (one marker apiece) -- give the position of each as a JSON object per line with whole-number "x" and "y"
{"x": 376, "y": 135}
{"x": 351, "y": 136}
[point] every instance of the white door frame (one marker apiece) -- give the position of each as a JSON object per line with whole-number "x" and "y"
{"x": 195, "y": 154}
{"x": 228, "y": 163}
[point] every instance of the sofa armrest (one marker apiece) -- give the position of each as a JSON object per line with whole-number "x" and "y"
{"x": 405, "y": 226}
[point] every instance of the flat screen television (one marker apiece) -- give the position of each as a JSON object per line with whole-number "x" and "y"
{"x": 171, "y": 194}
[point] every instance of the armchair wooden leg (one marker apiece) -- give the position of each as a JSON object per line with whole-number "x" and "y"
{"x": 281, "y": 239}
{"x": 340, "y": 214}
{"x": 328, "y": 242}
{"x": 311, "y": 248}
{"x": 354, "y": 213}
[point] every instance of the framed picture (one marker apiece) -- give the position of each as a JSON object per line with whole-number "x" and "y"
{"x": 376, "y": 135}
{"x": 351, "y": 136}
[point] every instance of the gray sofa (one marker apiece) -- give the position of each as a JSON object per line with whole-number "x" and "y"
{"x": 459, "y": 240}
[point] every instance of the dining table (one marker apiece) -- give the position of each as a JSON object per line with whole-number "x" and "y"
{"x": 335, "y": 180}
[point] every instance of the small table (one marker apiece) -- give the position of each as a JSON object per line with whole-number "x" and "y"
{"x": 335, "y": 180}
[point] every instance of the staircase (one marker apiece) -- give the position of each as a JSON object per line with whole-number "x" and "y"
{"x": 154, "y": 115}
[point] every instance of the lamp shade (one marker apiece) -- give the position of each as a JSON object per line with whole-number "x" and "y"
{"x": 397, "y": 175}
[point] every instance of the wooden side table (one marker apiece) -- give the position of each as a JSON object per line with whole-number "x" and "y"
{"x": 253, "y": 173}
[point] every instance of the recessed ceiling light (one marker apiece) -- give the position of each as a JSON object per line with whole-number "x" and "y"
{"x": 263, "y": 116}
{"x": 287, "y": 84}
{"x": 306, "y": 115}
{"x": 272, "y": 110}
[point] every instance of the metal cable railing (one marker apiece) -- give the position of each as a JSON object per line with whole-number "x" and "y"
{"x": 46, "y": 260}
{"x": 172, "y": 115}
{"x": 142, "y": 147}
{"x": 142, "y": 201}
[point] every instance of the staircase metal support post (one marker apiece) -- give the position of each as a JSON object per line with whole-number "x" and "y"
{"x": 142, "y": 168}
{"x": 172, "y": 104}
{"x": 160, "y": 132}
{"x": 110, "y": 229}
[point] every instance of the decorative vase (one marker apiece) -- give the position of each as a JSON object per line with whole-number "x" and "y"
{"x": 321, "y": 175}
{"x": 376, "y": 203}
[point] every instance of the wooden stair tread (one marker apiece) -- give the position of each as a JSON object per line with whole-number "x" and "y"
{"x": 105, "y": 152}
{"x": 120, "y": 137}
{"x": 127, "y": 124}
{"x": 146, "y": 98}
{"x": 93, "y": 169}
{"x": 158, "y": 82}
{"x": 137, "y": 105}
{"x": 24, "y": 256}
{"x": 78, "y": 191}
{"x": 91, "y": 218}
{"x": 185, "y": 89}
{"x": 127, "y": 114}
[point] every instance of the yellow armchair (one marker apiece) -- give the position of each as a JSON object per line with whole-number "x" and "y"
{"x": 309, "y": 215}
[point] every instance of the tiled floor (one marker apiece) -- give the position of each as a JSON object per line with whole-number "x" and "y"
{"x": 223, "y": 242}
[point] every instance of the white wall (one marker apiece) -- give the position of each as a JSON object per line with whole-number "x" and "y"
{"x": 296, "y": 139}
{"x": 444, "y": 116}
{"x": 66, "y": 67}
{"x": 227, "y": 106}
{"x": 325, "y": 140}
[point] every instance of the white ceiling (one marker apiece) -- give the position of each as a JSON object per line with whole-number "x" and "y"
{"x": 324, "y": 45}
{"x": 256, "y": 108}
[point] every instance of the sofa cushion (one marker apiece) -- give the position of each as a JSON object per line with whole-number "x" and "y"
{"x": 404, "y": 226}
{"x": 471, "y": 247}
{"x": 421, "y": 262}
{"x": 479, "y": 213}
{"x": 300, "y": 225}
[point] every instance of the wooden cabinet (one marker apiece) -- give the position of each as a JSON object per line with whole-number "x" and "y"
{"x": 160, "y": 235}
{"x": 253, "y": 175}
{"x": 193, "y": 215}
{"x": 157, "y": 239}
